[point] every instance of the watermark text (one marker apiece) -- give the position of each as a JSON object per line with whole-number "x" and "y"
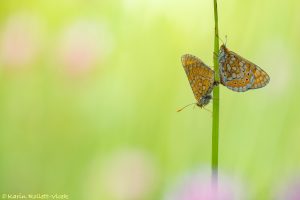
{"x": 35, "y": 196}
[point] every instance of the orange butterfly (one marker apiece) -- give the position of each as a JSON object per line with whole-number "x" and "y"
{"x": 201, "y": 78}
{"x": 239, "y": 74}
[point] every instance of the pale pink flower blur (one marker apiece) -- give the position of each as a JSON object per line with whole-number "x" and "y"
{"x": 198, "y": 185}
{"x": 124, "y": 175}
{"x": 20, "y": 40}
{"x": 290, "y": 190}
{"x": 83, "y": 44}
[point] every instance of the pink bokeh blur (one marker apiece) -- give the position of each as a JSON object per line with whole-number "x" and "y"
{"x": 20, "y": 42}
{"x": 128, "y": 174}
{"x": 198, "y": 185}
{"x": 82, "y": 45}
{"x": 289, "y": 190}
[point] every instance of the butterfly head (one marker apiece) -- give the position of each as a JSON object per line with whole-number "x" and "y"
{"x": 223, "y": 48}
{"x": 222, "y": 54}
{"x": 204, "y": 100}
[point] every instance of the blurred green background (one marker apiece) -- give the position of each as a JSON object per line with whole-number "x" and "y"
{"x": 88, "y": 85}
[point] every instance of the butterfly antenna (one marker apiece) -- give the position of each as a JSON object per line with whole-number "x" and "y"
{"x": 221, "y": 39}
{"x": 185, "y": 107}
{"x": 225, "y": 40}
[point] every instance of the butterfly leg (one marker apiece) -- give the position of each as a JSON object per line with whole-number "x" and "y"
{"x": 216, "y": 83}
{"x": 216, "y": 55}
{"x": 206, "y": 109}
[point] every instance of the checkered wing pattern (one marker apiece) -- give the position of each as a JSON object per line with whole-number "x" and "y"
{"x": 261, "y": 78}
{"x": 200, "y": 76}
{"x": 239, "y": 74}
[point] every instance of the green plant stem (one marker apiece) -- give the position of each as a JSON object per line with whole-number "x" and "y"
{"x": 216, "y": 99}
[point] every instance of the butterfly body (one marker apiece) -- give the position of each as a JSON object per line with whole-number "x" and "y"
{"x": 201, "y": 78}
{"x": 239, "y": 74}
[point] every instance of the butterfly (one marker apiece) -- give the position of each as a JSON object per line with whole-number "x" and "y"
{"x": 239, "y": 74}
{"x": 201, "y": 78}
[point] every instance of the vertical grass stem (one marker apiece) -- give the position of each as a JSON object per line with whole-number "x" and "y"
{"x": 216, "y": 100}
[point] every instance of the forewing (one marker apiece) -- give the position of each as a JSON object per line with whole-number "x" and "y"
{"x": 200, "y": 76}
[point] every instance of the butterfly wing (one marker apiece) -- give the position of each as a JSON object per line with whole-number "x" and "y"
{"x": 261, "y": 78}
{"x": 239, "y": 74}
{"x": 235, "y": 71}
{"x": 200, "y": 76}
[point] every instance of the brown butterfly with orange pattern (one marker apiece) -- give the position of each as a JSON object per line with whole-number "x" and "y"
{"x": 239, "y": 74}
{"x": 201, "y": 79}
